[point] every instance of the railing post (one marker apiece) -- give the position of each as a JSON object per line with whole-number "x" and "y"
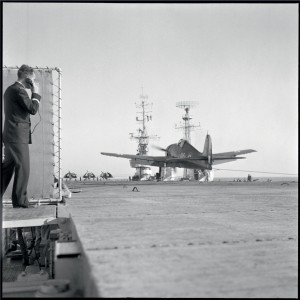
{"x": 59, "y": 134}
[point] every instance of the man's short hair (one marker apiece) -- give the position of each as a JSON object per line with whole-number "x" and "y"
{"x": 24, "y": 71}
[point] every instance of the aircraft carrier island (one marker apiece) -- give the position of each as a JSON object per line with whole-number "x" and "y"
{"x": 170, "y": 239}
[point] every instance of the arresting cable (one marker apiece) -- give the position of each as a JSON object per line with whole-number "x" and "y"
{"x": 257, "y": 172}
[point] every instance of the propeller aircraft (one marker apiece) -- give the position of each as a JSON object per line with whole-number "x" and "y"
{"x": 184, "y": 155}
{"x": 105, "y": 175}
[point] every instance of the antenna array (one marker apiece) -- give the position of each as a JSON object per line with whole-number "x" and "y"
{"x": 144, "y": 116}
{"x": 186, "y": 126}
{"x": 142, "y": 137}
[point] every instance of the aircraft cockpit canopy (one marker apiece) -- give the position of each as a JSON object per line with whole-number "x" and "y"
{"x": 181, "y": 143}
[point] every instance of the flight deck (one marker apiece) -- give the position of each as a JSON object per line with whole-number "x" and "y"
{"x": 189, "y": 239}
{"x": 176, "y": 239}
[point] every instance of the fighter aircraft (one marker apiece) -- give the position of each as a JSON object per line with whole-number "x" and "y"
{"x": 105, "y": 175}
{"x": 70, "y": 175}
{"x": 184, "y": 155}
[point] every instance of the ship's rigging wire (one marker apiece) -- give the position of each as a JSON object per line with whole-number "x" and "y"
{"x": 217, "y": 169}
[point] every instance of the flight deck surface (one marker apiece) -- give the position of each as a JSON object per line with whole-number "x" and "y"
{"x": 189, "y": 239}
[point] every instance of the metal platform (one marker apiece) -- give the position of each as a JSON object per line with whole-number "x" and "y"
{"x": 28, "y": 217}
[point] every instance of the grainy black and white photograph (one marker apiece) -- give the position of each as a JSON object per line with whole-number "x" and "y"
{"x": 149, "y": 150}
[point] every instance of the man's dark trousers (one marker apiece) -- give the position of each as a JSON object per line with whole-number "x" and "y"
{"x": 16, "y": 160}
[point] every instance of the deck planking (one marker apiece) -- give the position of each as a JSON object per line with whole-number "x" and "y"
{"x": 216, "y": 239}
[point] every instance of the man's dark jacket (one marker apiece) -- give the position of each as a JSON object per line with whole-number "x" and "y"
{"x": 17, "y": 108}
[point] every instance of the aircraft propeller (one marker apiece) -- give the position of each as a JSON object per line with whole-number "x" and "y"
{"x": 159, "y": 148}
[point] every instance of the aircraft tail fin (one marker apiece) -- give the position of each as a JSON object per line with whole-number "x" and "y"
{"x": 207, "y": 150}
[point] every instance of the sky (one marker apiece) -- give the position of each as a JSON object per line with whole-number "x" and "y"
{"x": 239, "y": 62}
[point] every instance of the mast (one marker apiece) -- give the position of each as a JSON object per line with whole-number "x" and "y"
{"x": 143, "y": 116}
{"x": 187, "y": 127}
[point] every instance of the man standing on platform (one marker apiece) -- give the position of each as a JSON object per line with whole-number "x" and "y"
{"x": 18, "y": 107}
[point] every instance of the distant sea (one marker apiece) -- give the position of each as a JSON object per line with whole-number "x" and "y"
{"x": 265, "y": 178}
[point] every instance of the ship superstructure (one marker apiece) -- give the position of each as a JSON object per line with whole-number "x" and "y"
{"x": 143, "y": 117}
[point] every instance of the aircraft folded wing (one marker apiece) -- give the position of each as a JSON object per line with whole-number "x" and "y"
{"x": 139, "y": 157}
{"x": 232, "y": 154}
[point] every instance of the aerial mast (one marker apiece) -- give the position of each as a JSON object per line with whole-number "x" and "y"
{"x": 186, "y": 126}
{"x": 142, "y": 137}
